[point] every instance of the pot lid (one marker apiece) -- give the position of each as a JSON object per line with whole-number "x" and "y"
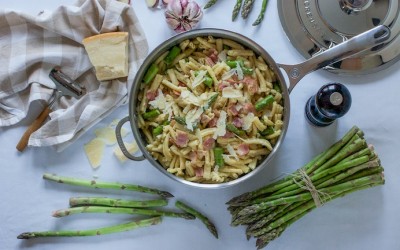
{"x": 313, "y": 26}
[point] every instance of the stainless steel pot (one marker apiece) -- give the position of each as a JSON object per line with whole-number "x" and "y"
{"x": 366, "y": 40}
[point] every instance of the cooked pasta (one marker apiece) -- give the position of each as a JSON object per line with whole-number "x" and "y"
{"x": 212, "y": 111}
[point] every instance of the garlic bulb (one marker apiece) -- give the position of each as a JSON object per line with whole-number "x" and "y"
{"x": 183, "y": 15}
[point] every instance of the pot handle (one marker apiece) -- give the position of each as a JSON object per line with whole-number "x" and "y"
{"x": 121, "y": 142}
{"x": 351, "y": 47}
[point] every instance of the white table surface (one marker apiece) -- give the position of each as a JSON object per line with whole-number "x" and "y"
{"x": 368, "y": 219}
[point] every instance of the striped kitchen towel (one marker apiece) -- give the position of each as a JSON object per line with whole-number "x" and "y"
{"x": 30, "y": 46}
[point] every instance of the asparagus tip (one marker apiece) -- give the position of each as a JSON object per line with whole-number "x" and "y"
{"x": 213, "y": 230}
{"x": 166, "y": 194}
{"x": 25, "y": 236}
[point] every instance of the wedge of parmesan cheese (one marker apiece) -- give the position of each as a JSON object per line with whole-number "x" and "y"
{"x": 108, "y": 53}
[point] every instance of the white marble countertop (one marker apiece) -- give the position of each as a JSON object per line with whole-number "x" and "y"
{"x": 367, "y": 219}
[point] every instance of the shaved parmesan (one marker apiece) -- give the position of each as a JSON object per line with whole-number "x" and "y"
{"x": 227, "y": 75}
{"x": 188, "y": 97}
{"x": 222, "y": 57}
{"x": 199, "y": 78}
{"x": 230, "y": 92}
{"x": 108, "y": 134}
{"x": 131, "y": 147}
{"x": 239, "y": 71}
{"x": 248, "y": 121}
{"x": 192, "y": 117}
{"x": 160, "y": 102}
{"x": 221, "y": 125}
{"x": 232, "y": 151}
{"x": 94, "y": 151}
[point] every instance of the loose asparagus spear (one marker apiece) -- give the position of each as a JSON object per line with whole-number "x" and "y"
{"x": 236, "y": 9}
{"x": 102, "y": 201}
{"x": 93, "y": 232}
{"x": 107, "y": 185}
{"x": 210, "y": 3}
{"x": 262, "y": 13}
{"x": 247, "y": 6}
{"x": 204, "y": 219}
{"x": 119, "y": 210}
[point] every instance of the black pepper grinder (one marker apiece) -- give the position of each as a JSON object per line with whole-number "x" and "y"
{"x": 332, "y": 101}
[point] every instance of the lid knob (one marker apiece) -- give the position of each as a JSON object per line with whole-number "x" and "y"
{"x": 332, "y": 101}
{"x": 354, "y": 6}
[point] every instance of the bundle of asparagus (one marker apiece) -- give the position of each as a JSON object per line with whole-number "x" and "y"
{"x": 347, "y": 166}
{"x": 245, "y": 9}
{"x": 117, "y": 206}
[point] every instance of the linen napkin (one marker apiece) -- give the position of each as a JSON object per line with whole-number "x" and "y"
{"x": 30, "y": 46}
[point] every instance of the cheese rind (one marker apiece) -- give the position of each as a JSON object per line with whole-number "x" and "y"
{"x": 108, "y": 53}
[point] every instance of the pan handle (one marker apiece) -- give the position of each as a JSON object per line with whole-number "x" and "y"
{"x": 121, "y": 142}
{"x": 351, "y": 47}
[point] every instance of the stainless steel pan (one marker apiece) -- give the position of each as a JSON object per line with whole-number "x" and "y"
{"x": 364, "y": 41}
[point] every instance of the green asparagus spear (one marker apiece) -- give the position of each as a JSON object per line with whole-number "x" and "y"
{"x": 93, "y": 232}
{"x": 247, "y": 7}
{"x": 232, "y": 128}
{"x": 157, "y": 130}
{"x": 172, "y": 54}
{"x": 268, "y": 131}
{"x": 210, "y": 101}
{"x": 210, "y": 3}
{"x": 264, "y": 102}
{"x": 106, "y": 185}
{"x": 103, "y": 201}
{"x": 219, "y": 160}
{"x": 119, "y": 210}
{"x": 150, "y": 73}
{"x": 211, "y": 227}
{"x": 151, "y": 114}
{"x": 262, "y": 13}
{"x": 236, "y": 9}
{"x": 180, "y": 120}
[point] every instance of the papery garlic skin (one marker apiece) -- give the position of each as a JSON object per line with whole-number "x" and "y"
{"x": 183, "y": 15}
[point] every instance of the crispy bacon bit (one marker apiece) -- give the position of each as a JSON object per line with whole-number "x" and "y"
{"x": 151, "y": 95}
{"x": 238, "y": 122}
{"x": 251, "y": 84}
{"x": 243, "y": 149}
{"x": 248, "y": 108}
{"x": 193, "y": 156}
{"x": 182, "y": 139}
{"x": 222, "y": 85}
{"x": 213, "y": 122}
{"x": 208, "y": 143}
{"x": 199, "y": 171}
{"x": 228, "y": 134}
{"x": 209, "y": 61}
{"x": 232, "y": 109}
{"x": 213, "y": 55}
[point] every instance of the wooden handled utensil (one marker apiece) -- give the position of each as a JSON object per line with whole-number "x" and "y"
{"x": 65, "y": 86}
